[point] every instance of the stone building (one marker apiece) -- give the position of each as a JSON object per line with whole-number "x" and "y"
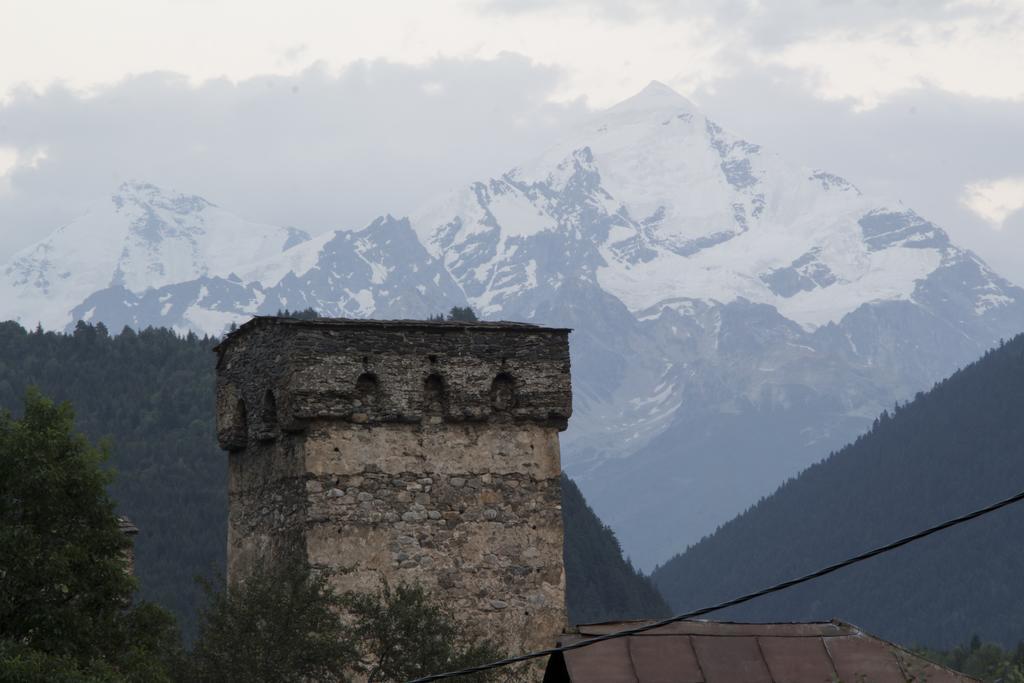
{"x": 424, "y": 452}
{"x": 130, "y": 531}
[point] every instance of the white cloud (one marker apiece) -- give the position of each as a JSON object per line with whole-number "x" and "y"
{"x": 318, "y": 150}
{"x": 866, "y": 51}
{"x": 995, "y": 200}
{"x": 8, "y": 158}
{"x": 608, "y": 49}
{"x": 978, "y": 57}
{"x": 11, "y": 159}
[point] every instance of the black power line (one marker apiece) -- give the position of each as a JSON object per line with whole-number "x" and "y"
{"x": 729, "y": 603}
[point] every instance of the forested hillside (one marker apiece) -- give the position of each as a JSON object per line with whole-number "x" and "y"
{"x": 601, "y": 585}
{"x": 952, "y": 450}
{"x": 151, "y": 394}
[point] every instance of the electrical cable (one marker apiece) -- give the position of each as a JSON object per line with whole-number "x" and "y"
{"x": 728, "y": 603}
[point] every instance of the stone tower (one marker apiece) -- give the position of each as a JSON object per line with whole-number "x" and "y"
{"x": 423, "y": 452}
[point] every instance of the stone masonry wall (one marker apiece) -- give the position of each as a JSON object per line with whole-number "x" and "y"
{"x": 416, "y": 452}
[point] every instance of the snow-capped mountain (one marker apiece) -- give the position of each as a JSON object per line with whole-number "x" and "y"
{"x": 381, "y": 271}
{"x": 666, "y": 207}
{"x": 736, "y": 315}
{"x": 139, "y": 237}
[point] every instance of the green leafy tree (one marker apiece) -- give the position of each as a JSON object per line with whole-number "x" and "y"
{"x": 287, "y": 625}
{"x": 22, "y": 664}
{"x": 403, "y": 634}
{"x": 985, "y": 661}
{"x": 65, "y": 589}
{"x": 279, "y": 626}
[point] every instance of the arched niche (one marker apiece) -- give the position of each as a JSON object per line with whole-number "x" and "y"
{"x": 268, "y": 427}
{"x": 367, "y": 389}
{"x": 435, "y": 395}
{"x": 503, "y": 392}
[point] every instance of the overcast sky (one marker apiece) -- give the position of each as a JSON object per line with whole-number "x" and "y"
{"x": 324, "y": 113}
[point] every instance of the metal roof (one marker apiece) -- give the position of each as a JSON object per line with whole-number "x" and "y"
{"x": 721, "y": 652}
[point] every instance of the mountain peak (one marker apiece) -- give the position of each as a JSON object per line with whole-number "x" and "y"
{"x": 655, "y": 96}
{"x": 144, "y": 193}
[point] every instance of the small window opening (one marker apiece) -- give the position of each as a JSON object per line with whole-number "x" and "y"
{"x": 367, "y": 388}
{"x": 435, "y": 396}
{"x": 503, "y": 392}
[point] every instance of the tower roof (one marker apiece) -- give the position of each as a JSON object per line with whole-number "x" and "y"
{"x": 357, "y": 323}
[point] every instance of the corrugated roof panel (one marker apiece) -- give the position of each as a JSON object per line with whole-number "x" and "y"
{"x": 859, "y": 658}
{"x": 794, "y": 660}
{"x": 730, "y": 659}
{"x": 664, "y": 659}
{"x": 607, "y": 662}
{"x": 716, "y": 652}
{"x": 918, "y": 669}
{"x": 725, "y": 628}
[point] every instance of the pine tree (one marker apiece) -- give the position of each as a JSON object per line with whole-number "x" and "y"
{"x": 462, "y": 314}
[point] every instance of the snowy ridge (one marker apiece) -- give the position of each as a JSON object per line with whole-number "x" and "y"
{"x": 674, "y": 207}
{"x": 139, "y": 237}
{"x": 380, "y": 271}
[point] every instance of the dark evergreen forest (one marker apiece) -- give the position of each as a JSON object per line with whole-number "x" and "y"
{"x": 150, "y": 393}
{"x": 600, "y": 584}
{"x": 952, "y": 450}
